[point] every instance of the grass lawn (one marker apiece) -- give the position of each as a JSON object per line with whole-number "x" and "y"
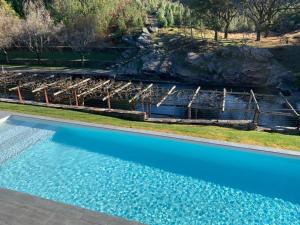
{"x": 275, "y": 140}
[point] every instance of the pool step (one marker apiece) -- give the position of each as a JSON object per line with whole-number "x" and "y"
{"x": 4, "y": 116}
{"x": 15, "y": 139}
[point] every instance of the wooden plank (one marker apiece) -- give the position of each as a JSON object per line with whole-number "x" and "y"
{"x": 141, "y": 93}
{"x": 50, "y": 84}
{"x": 289, "y": 104}
{"x": 101, "y": 85}
{"x": 194, "y": 97}
{"x": 170, "y": 92}
{"x": 20, "y": 86}
{"x": 116, "y": 91}
{"x": 72, "y": 86}
{"x": 45, "y": 86}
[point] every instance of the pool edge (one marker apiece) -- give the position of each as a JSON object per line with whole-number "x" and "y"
{"x": 245, "y": 147}
{"x": 29, "y": 209}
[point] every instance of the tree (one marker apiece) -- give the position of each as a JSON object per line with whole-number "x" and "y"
{"x": 263, "y": 12}
{"x": 38, "y": 27}
{"x": 229, "y": 12}
{"x": 162, "y": 21}
{"x": 18, "y": 5}
{"x": 81, "y": 34}
{"x": 82, "y": 23}
{"x": 170, "y": 17}
{"x": 9, "y": 27}
{"x": 210, "y": 11}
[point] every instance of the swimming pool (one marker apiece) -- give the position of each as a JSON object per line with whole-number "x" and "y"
{"x": 150, "y": 179}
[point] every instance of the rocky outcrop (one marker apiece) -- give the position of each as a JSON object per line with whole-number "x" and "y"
{"x": 244, "y": 66}
{"x": 228, "y": 66}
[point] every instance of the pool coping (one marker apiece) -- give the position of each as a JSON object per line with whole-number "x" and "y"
{"x": 198, "y": 140}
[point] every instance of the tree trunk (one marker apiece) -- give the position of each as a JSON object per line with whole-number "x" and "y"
{"x": 216, "y": 35}
{"x": 6, "y": 56}
{"x": 267, "y": 32}
{"x": 82, "y": 60}
{"x": 258, "y": 34}
{"x": 226, "y": 31}
{"x": 38, "y": 56}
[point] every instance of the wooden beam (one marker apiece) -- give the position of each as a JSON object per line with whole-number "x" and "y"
{"x": 45, "y": 86}
{"x": 137, "y": 96}
{"x": 72, "y": 86}
{"x": 194, "y": 97}
{"x": 224, "y": 100}
{"x": 102, "y": 84}
{"x": 20, "y": 86}
{"x": 170, "y": 92}
{"x": 116, "y": 91}
{"x": 257, "y": 111}
{"x": 42, "y": 87}
{"x": 255, "y": 100}
{"x": 289, "y": 104}
{"x": 191, "y": 102}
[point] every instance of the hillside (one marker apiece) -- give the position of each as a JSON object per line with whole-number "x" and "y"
{"x": 172, "y": 54}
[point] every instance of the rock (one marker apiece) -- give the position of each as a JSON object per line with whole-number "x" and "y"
{"x": 173, "y": 40}
{"x": 230, "y": 66}
{"x": 192, "y": 58}
{"x": 129, "y": 39}
{"x": 153, "y": 29}
{"x": 125, "y": 54}
{"x": 144, "y": 40}
{"x": 145, "y": 30}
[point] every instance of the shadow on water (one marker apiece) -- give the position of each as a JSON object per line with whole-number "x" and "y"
{"x": 268, "y": 175}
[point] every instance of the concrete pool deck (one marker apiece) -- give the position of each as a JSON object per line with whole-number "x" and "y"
{"x": 22, "y": 209}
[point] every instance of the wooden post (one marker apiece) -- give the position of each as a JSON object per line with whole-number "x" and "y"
{"x": 75, "y": 97}
{"x": 20, "y": 95}
{"x": 46, "y": 96}
{"x": 150, "y": 106}
{"x": 108, "y": 100}
{"x": 257, "y": 111}
{"x": 191, "y": 102}
{"x": 256, "y": 116}
{"x": 190, "y": 113}
{"x": 143, "y": 104}
{"x": 224, "y": 100}
{"x": 291, "y": 108}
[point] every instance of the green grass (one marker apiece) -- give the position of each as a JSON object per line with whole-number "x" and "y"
{"x": 276, "y": 140}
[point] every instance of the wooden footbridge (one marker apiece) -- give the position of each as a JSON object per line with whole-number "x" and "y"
{"x": 199, "y": 105}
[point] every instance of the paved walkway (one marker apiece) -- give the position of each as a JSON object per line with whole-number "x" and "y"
{"x": 22, "y": 209}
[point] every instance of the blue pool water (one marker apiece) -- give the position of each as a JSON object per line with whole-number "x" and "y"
{"x": 148, "y": 179}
